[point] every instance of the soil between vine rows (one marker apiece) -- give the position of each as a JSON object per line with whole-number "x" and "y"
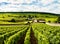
{"x": 33, "y": 40}
{"x": 21, "y": 41}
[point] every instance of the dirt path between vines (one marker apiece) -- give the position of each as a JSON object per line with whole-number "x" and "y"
{"x": 21, "y": 41}
{"x": 33, "y": 40}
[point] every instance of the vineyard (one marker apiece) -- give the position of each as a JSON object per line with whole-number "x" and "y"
{"x": 46, "y": 34}
{"x": 35, "y": 33}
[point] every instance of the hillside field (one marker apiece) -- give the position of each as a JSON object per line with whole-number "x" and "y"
{"x": 23, "y": 17}
{"x": 26, "y": 28}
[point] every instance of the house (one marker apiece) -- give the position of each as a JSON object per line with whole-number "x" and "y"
{"x": 39, "y": 20}
{"x": 35, "y": 20}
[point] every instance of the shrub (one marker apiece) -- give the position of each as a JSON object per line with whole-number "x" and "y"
{"x": 49, "y": 21}
{"x": 13, "y": 20}
{"x": 55, "y": 21}
{"x": 58, "y": 20}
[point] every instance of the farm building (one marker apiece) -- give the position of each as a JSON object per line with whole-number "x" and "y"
{"x": 35, "y": 20}
{"x": 39, "y": 20}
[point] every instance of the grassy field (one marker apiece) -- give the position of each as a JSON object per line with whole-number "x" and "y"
{"x": 36, "y": 33}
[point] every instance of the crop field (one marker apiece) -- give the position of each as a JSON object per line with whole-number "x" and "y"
{"x": 10, "y": 35}
{"x": 46, "y": 34}
{"x": 29, "y": 28}
{"x": 36, "y": 33}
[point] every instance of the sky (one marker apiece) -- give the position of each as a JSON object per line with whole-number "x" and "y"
{"x": 52, "y": 6}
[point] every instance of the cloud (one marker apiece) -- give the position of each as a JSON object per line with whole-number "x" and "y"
{"x": 4, "y": 3}
{"x": 30, "y": 5}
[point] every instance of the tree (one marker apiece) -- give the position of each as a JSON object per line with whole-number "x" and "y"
{"x": 24, "y": 16}
{"x": 28, "y": 23}
{"x": 8, "y": 15}
{"x": 32, "y": 16}
{"x": 35, "y": 16}
{"x": 55, "y": 21}
{"x": 29, "y": 16}
{"x": 3, "y": 17}
{"x": 20, "y": 16}
{"x": 49, "y": 21}
{"x": 58, "y": 20}
{"x": 13, "y": 20}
